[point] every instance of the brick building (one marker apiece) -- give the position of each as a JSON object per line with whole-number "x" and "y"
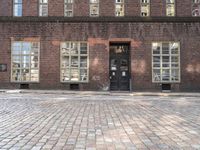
{"x": 137, "y": 45}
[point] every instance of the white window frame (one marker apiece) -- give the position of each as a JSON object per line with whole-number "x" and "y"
{"x": 41, "y": 4}
{"x": 29, "y": 68}
{"x": 170, "y": 63}
{"x": 93, "y": 3}
{"x": 195, "y": 8}
{"x": 70, "y": 68}
{"x": 16, "y": 5}
{"x": 172, "y": 3}
{"x": 66, "y": 3}
{"x": 120, "y": 3}
{"x": 146, "y": 3}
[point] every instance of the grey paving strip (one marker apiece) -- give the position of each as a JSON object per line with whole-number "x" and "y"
{"x": 48, "y": 121}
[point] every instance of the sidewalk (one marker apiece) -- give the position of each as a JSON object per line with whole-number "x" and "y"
{"x": 192, "y": 94}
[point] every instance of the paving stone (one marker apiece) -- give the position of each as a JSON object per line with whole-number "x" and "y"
{"x": 68, "y": 122}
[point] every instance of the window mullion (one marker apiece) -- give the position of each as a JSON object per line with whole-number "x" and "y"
{"x": 170, "y": 63}
{"x": 161, "y": 64}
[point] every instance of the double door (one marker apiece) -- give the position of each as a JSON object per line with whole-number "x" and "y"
{"x": 119, "y": 67}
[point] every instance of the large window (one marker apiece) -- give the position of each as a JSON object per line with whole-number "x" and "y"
{"x": 74, "y": 62}
{"x": 68, "y": 8}
{"x": 94, "y": 8}
{"x": 170, "y": 7}
{"x": 43, "y": 7}
{"x": 145, "y": 8}
{"x": 25, "y": 62}
{"x": 195, "y": 7}
{"x": 17, "y": 8}
{"x": 166, "y": 62}
{"x": 119, "y": 7}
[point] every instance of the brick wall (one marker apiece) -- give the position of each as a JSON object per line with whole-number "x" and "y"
{"x": 98, "y": 35}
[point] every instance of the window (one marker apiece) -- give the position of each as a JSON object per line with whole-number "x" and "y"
{"x": 25, "y": 62}
{"x": 166, "y": 62}
{"x": 94, "y": 8}
{"x": 145, "y": 8}
{"x": 74, "y": 62}
{"x": 17, "y": 8}
{"x": 170, "y": 7}
{"x": 195, "y": 7}
{"x": 43, "y": 10}
{"x": 68, "y": 8}
{"x": 119, "y": 7}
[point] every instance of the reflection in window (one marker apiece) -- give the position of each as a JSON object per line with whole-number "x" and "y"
{"x": 119, "y": 7}
{"x": 17, "y": 8}
{"x": 165, "y": 65}
{"x": 195, "y": 8}
{"x": 170, "y": 7}
{"x": 68, "y": 8}
{"x": 43, "y": 8}
{"x": 145, "y": 8}
{"x": 74, "y": 62}
{"x": 25, "y": 61}
{"x": 94, "y": 8}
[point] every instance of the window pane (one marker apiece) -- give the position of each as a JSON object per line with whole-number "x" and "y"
{"x": 83, "y": 74}
{"x": 165, "y": 75}
{"x": 170, "y": 10}
{"x": 156, "y": 59}
{"x": 65, "y": 75}
{"x": 119, "y": 10}
{"x": 94, "y": 9}
{"x": 43, "y": 10}
{"x": 65, "y": 61}
{"x": 25, "y": 75}
{"x": 175, "y": 75}
{"x": 156, "y": 75}
{"x": 16, "y": 75}
{"x": 83, "y": 62}
{"x": 74, "y": 75}
{"x": 156, "y": 48}
{"x": 17, "y": 9}
{"x": 83, "y": 49}
{"x": 26, "y": 48}
{"x": 174, "y": 48}
{"x": 74, "y": 48}
{"x": 74, "y": 61}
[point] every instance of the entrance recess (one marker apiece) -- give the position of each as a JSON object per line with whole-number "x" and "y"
{"x": 119, "y": 67}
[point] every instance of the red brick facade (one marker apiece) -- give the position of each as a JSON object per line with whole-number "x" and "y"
{"x": 140, "y": 35}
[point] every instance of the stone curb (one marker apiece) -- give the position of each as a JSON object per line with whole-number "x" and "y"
{"x": 101, "y": 93}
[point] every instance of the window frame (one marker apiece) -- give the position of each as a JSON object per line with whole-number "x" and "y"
{"x": 149, "y": 6}
{"x": 79, "y": 68}
{"x": 17, "y": 4}
{"x": 11, "y": 76}
{"x": 40, "y": 10}
{"x": 92, "y": 3}
{"x": 174, "y": 3}
{"x": 65, "y": 10}
{"x": 170, "y": 67}
{"x": 120, "y": 3}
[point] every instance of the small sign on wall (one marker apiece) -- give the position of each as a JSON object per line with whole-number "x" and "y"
{"x": 3, "y": 67}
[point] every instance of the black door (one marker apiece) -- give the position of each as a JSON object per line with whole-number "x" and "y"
{"x": 119, "y": 67}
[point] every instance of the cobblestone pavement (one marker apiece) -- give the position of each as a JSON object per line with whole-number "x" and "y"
{"x": 47, "y": 121}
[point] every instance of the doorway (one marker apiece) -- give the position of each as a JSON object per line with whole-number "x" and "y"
{"x": 119, "y": 67}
